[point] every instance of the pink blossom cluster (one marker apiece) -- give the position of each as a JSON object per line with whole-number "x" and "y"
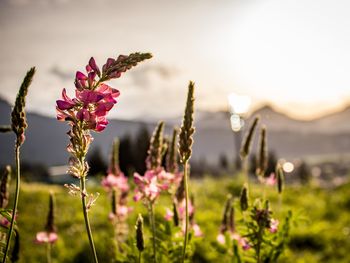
{"x": 93, "y": 99}
{"x": 242, "y": 241}
{"x": 182, "y": 217}
{"x": 46, "y": 237}
{"x": 149, "y": 186}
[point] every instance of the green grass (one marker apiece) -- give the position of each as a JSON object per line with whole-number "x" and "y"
{"x": 320, "y": 230}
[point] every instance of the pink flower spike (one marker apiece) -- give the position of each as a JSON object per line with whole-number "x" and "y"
{"x": 168, "y": 214}
{"x": 46, "y": 237}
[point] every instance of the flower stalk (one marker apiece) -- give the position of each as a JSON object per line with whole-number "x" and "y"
{"x": 185, "y": 151}
{"x": 19, "y": 125}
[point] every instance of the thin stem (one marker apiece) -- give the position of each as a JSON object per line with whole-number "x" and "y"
{"x": 48, "y": 252}
{"x": 186, "y": 210}
{"x": 139, "y": 256}
{"x": 18, "y": 181}
{"x": 245, "y": 170}
{"x": 86, "y": 217}
{"x": 152, "y": 222}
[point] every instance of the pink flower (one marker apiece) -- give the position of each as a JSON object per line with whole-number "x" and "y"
{"x": 46, "y": 237}
{"x": 119, "y": 182}
{"x": 271, "y": 180}
{"x": 221, "y": 239}
{"x": 168, "y": 215}
{"x": 147, "y": 186}
{"x": 182, "y": 208}
{"x": 241, "y": 241}
{"x": 197, "y": 231}
{"x": 274, "y": 225}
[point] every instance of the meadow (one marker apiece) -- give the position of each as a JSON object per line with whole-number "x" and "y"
{"x": 320, "y": 231}
{"x": 161, "y": 214}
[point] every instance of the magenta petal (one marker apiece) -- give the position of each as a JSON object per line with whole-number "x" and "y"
{"x": 64, "y": 105}
{"x": 80, "y": 76}
{"x": 83, "y": 115}
{"x": 92, "y": 64}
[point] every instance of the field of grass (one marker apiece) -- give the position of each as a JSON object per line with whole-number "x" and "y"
{"x": 320, "y": 230}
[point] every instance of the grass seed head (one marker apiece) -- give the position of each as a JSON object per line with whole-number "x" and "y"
{"x": 280, "y": 178}
{"x": 18, "y": 115}
{"x": 50, "y": 225}
{"x": 246, "y": 145}
{"x": 187, "y": 129}
{"x": 154, "y": 159}
{"x": 139, "y": 233}
{"x": 244, "y": 199}
{"x": 263, "y": 155}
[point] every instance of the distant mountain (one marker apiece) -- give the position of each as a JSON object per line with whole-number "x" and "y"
{"x": 287, "y": 137}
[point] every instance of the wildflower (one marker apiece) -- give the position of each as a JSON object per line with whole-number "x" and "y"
{"x": 148, "y": 187}
{"x": 169, "y": 214}
{"x": 119, "y": 182}
{"x": 221, "y": 239}
{"x": 46, "y": 237}
{"x": 273, "y": 225}
{"x": 271, "y": 180}
{"x": 4, "y": 187}
{"x": 49, "y": 235}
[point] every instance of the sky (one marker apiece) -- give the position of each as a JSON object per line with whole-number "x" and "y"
{"x": 293, "y": 55}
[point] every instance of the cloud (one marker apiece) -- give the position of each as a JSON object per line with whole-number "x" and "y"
{"x": 142, "y": 76}
{"x": 63, "y": 75}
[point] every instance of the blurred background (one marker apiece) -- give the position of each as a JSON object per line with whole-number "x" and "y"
{"x": 283, "y": 60}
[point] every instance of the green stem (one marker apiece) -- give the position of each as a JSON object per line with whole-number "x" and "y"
{"x": 48, "y": 252}
{"x": 86, "y": 217}
{"x": 18, "y": 181}
{"x": 139, "y": 257}
{"x": 245, "y": 170}
{"x": 152, "y": 222}
{"x": 186, "y": 210}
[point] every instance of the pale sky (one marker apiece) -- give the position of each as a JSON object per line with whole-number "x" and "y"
{"x": 292, "y": 54}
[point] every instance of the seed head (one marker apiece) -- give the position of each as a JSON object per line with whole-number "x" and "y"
{"x": 244, "y": 198}
{"x": 262, "y": 157}
{"x": 171, "y": 160}
{"x": 187, "y": 129}
{"x": 139, "y": 234}
{"x": 245, "y": 149}
{"x": 4, "y": 187}
{"x": 176, "y": 215}
{"x": 18, "y": 115}
{"x": 231, "y": 220}
{"x": 225, "y": 217}
{"x": 50, "y": 225}
{"x": 114, "y": 165}
{"x": 154, "y": 159}
{"x": 114, "y": 202}
{"x": 280, "y": 178}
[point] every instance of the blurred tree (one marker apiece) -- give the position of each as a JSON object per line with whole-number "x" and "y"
{"x": 223, "y": 162}
{"x": 303, "y": 173}
{"x": 96, "y": 162}
{"x": 140, "y": 148}
{"x": 126, "y": 159}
